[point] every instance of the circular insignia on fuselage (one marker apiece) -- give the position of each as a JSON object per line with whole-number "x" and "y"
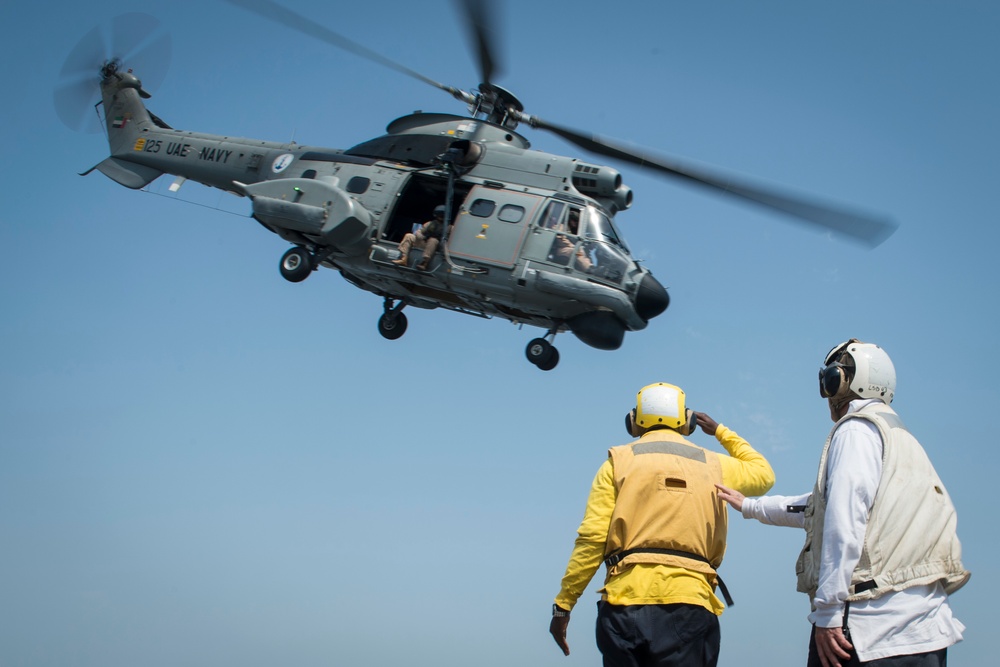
{"x": 281, "y": 162}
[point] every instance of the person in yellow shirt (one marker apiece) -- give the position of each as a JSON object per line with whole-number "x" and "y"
{"x": 654, "y": 519}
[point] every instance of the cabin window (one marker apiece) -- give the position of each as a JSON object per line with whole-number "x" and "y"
{"x": 358, "y": 185}
{"x": 511, "y": 213}
{"x": 309, "y": 173}
{"x": 482, "y": 208}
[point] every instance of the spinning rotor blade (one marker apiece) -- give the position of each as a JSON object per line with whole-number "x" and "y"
{"x": 272, "y": 11}
{"x": 129, "y": 33}
{"x": 136, "y": 39}
{"x": 480, "y": 19}
{"x": 79, "y": 83}
{"x": 867, "y": 229}
{"x": 86, "y": 57}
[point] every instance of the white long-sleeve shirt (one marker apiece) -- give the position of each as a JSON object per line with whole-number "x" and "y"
{"x": 915, "y": 620}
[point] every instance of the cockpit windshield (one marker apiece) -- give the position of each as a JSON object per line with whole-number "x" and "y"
{"x": 599, "y": 227}
{"x": 585, "y": 239}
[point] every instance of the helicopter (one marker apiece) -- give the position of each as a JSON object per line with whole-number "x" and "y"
{"x": 523, "y": 235}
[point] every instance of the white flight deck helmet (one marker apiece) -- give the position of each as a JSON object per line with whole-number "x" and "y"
{"x": 862, "y": 368}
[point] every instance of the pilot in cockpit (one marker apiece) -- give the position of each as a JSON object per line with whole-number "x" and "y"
{"x": 565, "y": 247}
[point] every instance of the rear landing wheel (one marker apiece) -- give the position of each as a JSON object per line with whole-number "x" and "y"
{"x": 541, "y": 353}
{"x": 392, "y": 326}
{"x": 296, "y": 265}
{"x": 551, "y": 363}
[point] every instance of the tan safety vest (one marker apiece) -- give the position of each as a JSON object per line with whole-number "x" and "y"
{"x": 666, "y": 499}
{"x": 911, "y": 536}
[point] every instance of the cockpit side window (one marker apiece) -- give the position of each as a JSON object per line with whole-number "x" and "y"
{"x": 565, "y": 244}
{"x": 573, "y": 223}
{"x": 552, "y": 217}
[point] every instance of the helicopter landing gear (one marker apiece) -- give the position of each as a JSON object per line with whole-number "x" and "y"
{"x": 296, "y": 264}
{"x": 542, "y": 353}
{"x": 392, "y": 323}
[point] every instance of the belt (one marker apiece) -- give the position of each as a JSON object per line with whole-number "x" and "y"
{"x": 619, "y": 556}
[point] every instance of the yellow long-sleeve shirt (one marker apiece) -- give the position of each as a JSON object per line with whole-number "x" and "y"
{"x": 744, "y": 469}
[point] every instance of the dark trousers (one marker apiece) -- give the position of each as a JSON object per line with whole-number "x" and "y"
{"x": 932, "y": 659}
{"x": 657, "y": 635}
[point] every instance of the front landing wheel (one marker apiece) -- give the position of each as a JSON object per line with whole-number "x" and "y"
{"x": 392, "y": 326}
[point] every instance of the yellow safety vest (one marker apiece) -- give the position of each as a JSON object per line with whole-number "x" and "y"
{"x": 666, "y": 501}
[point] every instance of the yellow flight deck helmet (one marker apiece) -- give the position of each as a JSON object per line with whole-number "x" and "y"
{"x": 661, "y": 404}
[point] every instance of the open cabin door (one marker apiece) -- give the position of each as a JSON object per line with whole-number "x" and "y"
{"x": 491, "y": 225}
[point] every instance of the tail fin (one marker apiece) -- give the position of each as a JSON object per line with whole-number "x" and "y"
{"x": 127, "y": 120}
{"x": 125, "y": 114}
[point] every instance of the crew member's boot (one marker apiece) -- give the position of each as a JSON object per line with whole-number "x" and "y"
{"x": 404, "y": 248}
{"x": 429, "y": 249}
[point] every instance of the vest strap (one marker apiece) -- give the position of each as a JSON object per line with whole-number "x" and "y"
{"x": 865, "y": 586}
{"x": 619, "y": 556}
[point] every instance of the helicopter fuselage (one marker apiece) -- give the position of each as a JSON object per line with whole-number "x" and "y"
{"x": 528, "y": 236}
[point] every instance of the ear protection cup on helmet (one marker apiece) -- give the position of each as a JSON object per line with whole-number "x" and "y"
{"x": 690, "y": 425}
{"x": 688, "y": 428}
{"x": 835, "y": 375}
{"x": 831, "y": 379}
{"x": 630, "y": 425}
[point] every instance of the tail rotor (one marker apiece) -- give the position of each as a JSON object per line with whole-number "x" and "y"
{"x": 131, "y": 40}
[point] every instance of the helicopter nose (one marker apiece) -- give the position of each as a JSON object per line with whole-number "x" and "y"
{"x": 651, "y": 298}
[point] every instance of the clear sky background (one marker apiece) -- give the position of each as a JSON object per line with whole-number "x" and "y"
{"x": 202, "y": 464}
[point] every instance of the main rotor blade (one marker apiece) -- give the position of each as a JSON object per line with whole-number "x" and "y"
{"x": 480, "y": 20}
{"x": 290, "y": 19}
{"x": 869, "y": 229}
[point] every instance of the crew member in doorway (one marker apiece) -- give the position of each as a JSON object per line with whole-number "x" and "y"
{"x": 427, "y": 238}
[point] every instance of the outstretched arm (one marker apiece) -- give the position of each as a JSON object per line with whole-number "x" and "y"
{"x": 731, "y": 496}
{"x": 772, "y": 510}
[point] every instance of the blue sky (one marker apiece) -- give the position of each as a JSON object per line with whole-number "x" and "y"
{"x": 203, "y": 464}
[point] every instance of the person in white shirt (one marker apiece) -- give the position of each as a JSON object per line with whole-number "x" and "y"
{"x": 881, "y": 553}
